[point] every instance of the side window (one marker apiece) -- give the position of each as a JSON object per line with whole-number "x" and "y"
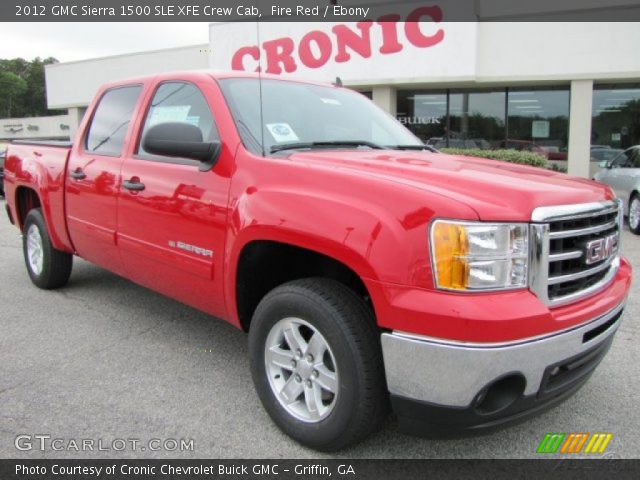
{"x": 624, "y": 159}
{"x": 635, "y": 159}
{"x": 111, "y": 120}
{"x": 179, "y": 102}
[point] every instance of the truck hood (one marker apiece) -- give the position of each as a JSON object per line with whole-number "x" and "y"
{"x": 497, "y": 191}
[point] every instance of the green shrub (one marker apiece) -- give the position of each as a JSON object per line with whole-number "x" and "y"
{"x": 557, "y": 168}
{"x": 513, "y": 156}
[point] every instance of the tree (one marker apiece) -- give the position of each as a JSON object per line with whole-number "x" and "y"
{"x": 12, "y": 87}
{"x": 26, "y": 96}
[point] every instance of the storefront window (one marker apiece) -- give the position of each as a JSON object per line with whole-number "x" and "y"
{"x": 539, "y": 121}
{"x": 424, "y": 113}
{"x": 616, "y": 116}
{"x": 476, "y": 119}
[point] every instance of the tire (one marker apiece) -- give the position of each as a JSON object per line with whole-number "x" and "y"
{"x": 634, "y": 219}
{"x": 48, "y": 268}
{"x": 359, "y": 404}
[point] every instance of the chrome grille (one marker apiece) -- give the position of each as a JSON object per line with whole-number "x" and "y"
{"x": 566, "y": 263}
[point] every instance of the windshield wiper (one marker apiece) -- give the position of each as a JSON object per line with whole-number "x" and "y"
{"x": 414, "y": 147}
{"x": 335, "y": 143}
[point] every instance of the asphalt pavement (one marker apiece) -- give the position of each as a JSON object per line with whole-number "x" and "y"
{"x": 104, "y": 360}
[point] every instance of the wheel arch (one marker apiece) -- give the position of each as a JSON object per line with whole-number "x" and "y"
{"x": 26, "y": 199}
{"x": 263, "y": 264}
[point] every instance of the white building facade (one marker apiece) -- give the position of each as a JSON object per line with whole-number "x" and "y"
{"x": 57, "y": 127}
{"x": 557, "y": 88}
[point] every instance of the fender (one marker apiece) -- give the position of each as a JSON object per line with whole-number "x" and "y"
{"x": 255, "y": 217}
{"x": 337, "y": 215}
{"x": 27, "y": 166}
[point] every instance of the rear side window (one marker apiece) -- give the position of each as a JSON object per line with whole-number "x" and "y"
{"x": 624, "y": 159}
{"x": 111, "y": 120}
{"x": 183, "y": 103}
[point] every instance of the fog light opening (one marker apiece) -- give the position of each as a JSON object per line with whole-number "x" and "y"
{"x": 500, "y": 394}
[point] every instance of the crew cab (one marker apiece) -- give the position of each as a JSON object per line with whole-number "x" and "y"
{"x": 369, "y": 272}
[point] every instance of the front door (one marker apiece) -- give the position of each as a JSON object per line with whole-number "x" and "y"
{"x": 629, "y": 177}
{"x": 91, "y": 191}
{"x": 172, "y": 215}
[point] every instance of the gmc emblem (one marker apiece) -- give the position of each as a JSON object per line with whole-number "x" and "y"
{"x": 602, "y": 248}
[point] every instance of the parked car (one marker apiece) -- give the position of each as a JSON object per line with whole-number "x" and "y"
{"x": 622, "y": 174}
{"x": 555, "y": 153}
{"x": 523, "y": 145}
{"x": 466, "y": 293}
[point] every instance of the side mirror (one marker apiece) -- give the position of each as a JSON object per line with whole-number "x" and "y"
{"x": 604, "y": 164}
{"x": 183, "y": 140}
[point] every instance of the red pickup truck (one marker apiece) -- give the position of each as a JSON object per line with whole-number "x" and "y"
{"x": 368, "y": 271}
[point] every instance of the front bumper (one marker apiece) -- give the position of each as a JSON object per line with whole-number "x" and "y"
{"x": 444, "y": 387}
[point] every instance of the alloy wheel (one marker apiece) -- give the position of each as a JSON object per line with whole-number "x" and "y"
{"x": 301, "y": 369}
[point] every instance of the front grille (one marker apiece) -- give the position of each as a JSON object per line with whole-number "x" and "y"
{"x": 563, "y": 269}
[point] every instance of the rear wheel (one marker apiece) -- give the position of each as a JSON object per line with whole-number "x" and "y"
{"x": 316, "y": 363}
{"x": 634, "y": 214}
{"x": 48, "y": 268}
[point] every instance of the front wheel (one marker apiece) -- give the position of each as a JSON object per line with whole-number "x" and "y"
{"x": 634, "y": 214}
{"x": 48, "y": 268}
{"x": 316, "y": 363}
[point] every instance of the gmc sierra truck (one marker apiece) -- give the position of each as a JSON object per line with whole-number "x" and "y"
{"x": 370, "y": 272}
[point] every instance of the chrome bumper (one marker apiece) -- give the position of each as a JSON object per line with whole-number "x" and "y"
{"x": 454, "y": 373}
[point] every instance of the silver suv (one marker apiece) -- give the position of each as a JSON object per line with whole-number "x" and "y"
{"x": 622, "y": 174}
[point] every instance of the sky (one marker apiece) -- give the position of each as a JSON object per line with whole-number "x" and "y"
{"x": 77, "y": 41}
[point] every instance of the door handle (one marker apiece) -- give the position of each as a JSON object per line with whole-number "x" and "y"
{"x": 78, "y": 174}
{"x": 133, "y": 184}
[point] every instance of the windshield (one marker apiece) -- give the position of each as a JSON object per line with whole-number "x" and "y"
{"x": 298, "y": 113}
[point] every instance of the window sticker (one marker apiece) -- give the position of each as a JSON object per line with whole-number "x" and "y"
{"x": 282, "y": 132}
{"x": 331, "y": 101}
{"x": 176, "y": 113}
{"x": 193, "y": 120}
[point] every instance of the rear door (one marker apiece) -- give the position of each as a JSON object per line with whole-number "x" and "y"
{"x": 91, "y": 191}
{"x": 172, "y": 215}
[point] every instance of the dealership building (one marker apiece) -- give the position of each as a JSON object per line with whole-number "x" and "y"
{"x": 558, "y": 88}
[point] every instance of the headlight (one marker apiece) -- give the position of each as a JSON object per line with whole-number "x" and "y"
{"x": 479, "y": 256}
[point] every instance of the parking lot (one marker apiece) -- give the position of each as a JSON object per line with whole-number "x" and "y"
{"x": 106, "y": 359}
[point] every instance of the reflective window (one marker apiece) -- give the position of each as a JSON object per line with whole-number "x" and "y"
{"x": 425, "y": 114}
{"x": 601, "y": 154}
{"x": 616, "y": 116}
{"x": 538, "y": 118}
{"x": 477, "y": 119}
{"x": 110, "y": 122}
{"x": 539, "y": 121}
{"x": 183, "y": 103}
